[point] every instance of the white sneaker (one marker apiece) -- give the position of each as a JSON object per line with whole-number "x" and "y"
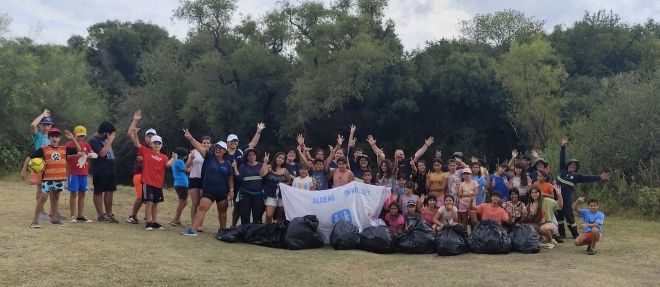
{"x": 73, "y": 219}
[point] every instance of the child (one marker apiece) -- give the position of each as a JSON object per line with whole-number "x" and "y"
{"x": 446, "y": 215}
{"x": 412, "y": 216}
{"x": 54, "y": 175}
{"x": 394, "y": 219}
{"x": 78, "y": 172}
{"x": 39, "y": 126}
{"x": 592, "y": 228}
{"x": 467, "y": 194}
{"x": 430, "y": 209}
{"x": 499, "y": 183}
{"x": 154, "y": 164}
{"x": 180, "y": 184}
{"x": 303, "y": 180}
{"x": 407, "y": 196}
{"x": 320, "y": 174}
{"x": 543, "y": 185}
{"x": 137, "y": 180}
{"x": 490, "y": 211}
{"x": 400, "y": 187}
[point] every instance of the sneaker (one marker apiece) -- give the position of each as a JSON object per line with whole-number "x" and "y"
{"x": 591, "y": 251}
{"x": 84, "y": 219}
{"x": 111, "y": 219}
{"x": 35, "y": 225}
{"x": 157, "y": 225}
{"x": 72, "y": 219}
{"x": 557, "y": 239}
{"x": 60, "y": 216}
{"x": 149, "y": 226}
{"x": 132, "y": 220}
{"x": 43, "y": 216}
{"x": 102, "y": 218}
{"x": 57, "y": 222}
{"x": 189, "y": 232}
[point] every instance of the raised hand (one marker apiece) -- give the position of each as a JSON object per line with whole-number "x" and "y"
{"x": 266, "y": 158}
{"x": 605, "y": 176}
{"x": 111, "y": 137}
{"x": 474, "y": 159}
{"x": 68, "y": 134}
{"x": 340, "y": 140}
{"x": 46, "y": 113}
{"x": 175, "y": 155}
{"x": 353, "y": 128}
{"x": 261, "y": 127}
{"x": 557, "y": 187}
{"x": 565, "y": 140}
{"x": 234, "y": 165}
{"x": 429, "y": 141}
{"x": 514, "y": 153}
{"x": 138, "y": 115}
{"x": 301, "y": 140}
{"x": 187, "y": 135}
{"x": 352, "y": 142}
{"x": 438, "y": 153}
{"x": 371, "y": 140}
{"x": 535, "y": 152}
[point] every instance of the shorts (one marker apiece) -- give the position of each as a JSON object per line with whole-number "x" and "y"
{"x": 77, "y": 183}
{"x": 152, "y": 194}
{"x": 194, "y": 182}
{"x": 554, "y": 228}
{"x": 587, "y": 237}
{"x": 35, "y": 177}
{"x": 137, "y": 183}
{"x": 182, "y": 192}
{"x": 104, "y": 183}
{"x": 274, "y": 201}
{"x": 52, "y": 185}
{"x": 215, "y": 197}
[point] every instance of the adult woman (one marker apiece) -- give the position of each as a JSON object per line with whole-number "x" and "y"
{"x": 251, "y": 196}
{"x": 217, "y": 183}
{"x": 521, "y": 181}
{"x": 429, "y": 210}
{"x": 271, "y": 177}
{"x": 436, "y": 181}
{"x": 514, "y": 208}
{"x": 447, "y": 214}
{"x": 194, "y": 164}
{"x": 534, "y": 209}
{"x": 467, "y": 194}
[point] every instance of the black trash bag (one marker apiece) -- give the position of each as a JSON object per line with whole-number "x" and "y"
{"x": 418, "y": 239}
{"x": 452, "y": 240}
{"x": 525, "y": 239}
{"x": 345, "y": 236}
{"x": 378, "y": 239}
{"x": 302, "y": 233}
{"x": 236, "y": 234}
{"x": 490, "y": 238}
{"x": 269, "y": 235}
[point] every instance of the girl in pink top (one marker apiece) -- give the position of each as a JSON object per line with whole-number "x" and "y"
{"x": 394, "y": 219}
{"x": 341, "y": 175}
{"x": 430, "y": 209}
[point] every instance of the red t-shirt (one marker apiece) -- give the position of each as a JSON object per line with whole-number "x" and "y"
{"x": 487, "y": 212}
{"x": 153, "y": 167}
{"x": 73, "y": 161}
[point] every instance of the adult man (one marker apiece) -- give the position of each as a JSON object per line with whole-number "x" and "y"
{"x": 404, "y": 167}
{"x": 104, "y": 171}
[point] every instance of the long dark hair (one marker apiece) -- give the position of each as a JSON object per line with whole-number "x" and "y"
{"x": 275, "y": 160}
{"x": 388, "y": 172}
{"x": 539, "y": 206}
{"x": 523, "y": 175}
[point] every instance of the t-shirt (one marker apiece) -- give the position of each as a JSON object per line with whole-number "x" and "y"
{"x": 197, "y": 162}
{"x": 74, "y": 169}
{"x": 549, "y": 208}
{"x": 303, "y": 183}
{"x": 516, "y": 182}
{"x": 481, "y": 194}
{"x": 592, "y": 218}
{"x": 40, "y": 140}
{"x": 488, "y": 212}
{"x": 249, "y": 175}
{"x": 216, "y": 175}
{"x": 436, "y": 180}
{"x": 404, "y": 169}
{"x": 105, "y": 165}
{"x": 517, "y": 211}
{"x": 153, "y": 167}
{"x": 179, "y": 173}
{"x": 452, "y": 179}
{"x": 321, "y": 178}
{"x": 500, "y": 186}
{"x": 270, "y": 181}
{"x": 447, "y": 217}
{"x": 404, "y": 202}
{"x": 292, "y": 168}
{"x": 396, "y": 224}
{"x": 546, "y": 189}
{"x": 428, "y": 213}
{"x": 420, "y": 180}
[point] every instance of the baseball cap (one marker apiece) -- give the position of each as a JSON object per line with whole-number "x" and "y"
{"x": 466, "y": 170}
{"x": 411, "y": 202}
{"x": 156, "y": 138}
{"x": 47, "y": 120}
{"x": 222, "y": 144}
{"x": 54, "y": 131}
{"x": 151, "y": 131}
{"x": 458, "y": 154}
{"x": 80, "y": 131}
{"x": 232, "y": 137}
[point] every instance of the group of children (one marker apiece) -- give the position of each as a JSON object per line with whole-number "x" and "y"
{"x": 520, "y": 192}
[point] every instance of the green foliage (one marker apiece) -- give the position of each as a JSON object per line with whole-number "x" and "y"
{"x": 501, "y": 28}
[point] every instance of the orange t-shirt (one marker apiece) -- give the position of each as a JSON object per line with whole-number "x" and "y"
{"x": 488, "y": 212}
{"x": 546, "y": 189}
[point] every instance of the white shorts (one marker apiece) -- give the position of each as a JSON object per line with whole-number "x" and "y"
{"x": 274, "y": 201}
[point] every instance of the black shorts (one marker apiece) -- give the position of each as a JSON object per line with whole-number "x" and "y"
{"x": 215, "y": 197}
{"x": 194, "y": 182}
{"x": 104, "y": 183}
{"x": 182, "y": 192}
{"x": 152, "y": 194}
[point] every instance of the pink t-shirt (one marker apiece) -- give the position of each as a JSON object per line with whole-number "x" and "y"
{"x": 396, "y": 224}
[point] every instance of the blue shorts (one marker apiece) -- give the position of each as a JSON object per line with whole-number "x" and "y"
{"x": 77, "y": 183}
{"x": 52, "y": 185}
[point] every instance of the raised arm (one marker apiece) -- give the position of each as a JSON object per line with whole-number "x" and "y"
{"x": 172, "y": 159}
{"x": 257, "y": 135}
{"x": 197, "y": 145}
{"x": 560, "y": 199}
{"x": 189, "y": 162}
{"x": 380, "y": 155}
{"x": 420, "y": 152}
{"x": 35, "y": 123}
{"x": 576, "y": 204}
{"x": 512, "y": 161}
{"x": 562, "y": 153}
{"x": 265, "y": 167}
{"x": 70, "y": 136}
{"x": 133, "y": 129}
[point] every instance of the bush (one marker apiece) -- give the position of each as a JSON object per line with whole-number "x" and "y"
{"x": 11, "y": 158}
{"x": 648, "y": 200}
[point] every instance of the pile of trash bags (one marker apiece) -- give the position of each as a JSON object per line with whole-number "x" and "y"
{"x": 345, "y": 236}
{"x": 489, "y": 237}
{"x": 452, "y": 240}
{"x": 300, "y": 233}
{"x": 418, "y": 239}
{"x": 525, "y": 239}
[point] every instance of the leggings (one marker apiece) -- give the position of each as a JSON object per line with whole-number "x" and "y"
{"x": 251, "y": 204}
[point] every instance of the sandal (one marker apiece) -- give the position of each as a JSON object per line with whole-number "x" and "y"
{"x": 175, "y": 224}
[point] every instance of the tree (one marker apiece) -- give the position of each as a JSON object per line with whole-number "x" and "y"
{"x": 533, "y": 75}
{"x": 501, "y": 28}
{"x": 5, "y": 21}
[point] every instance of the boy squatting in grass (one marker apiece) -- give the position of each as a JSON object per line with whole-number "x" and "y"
{"x": 592, "y": 226}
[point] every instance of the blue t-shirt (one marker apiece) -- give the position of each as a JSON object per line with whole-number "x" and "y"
{"x": 321, "y": 178}
{"x": 40, "y": 140}
{"x": 270, "y": 181}
{"x": 179, "y": 173}
{"x": 592, "y": 218}
{"x": 216, "y": 175}
{"x": 500, "y": 186}
{"x": 481, "y": 194}
{"x": 292, "y": 169}
{"x": 250, "y": 178}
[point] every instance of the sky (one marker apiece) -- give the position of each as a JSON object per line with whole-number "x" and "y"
{"x": 417, "y": 21}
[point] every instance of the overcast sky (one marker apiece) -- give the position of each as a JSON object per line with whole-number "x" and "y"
{"x": 417, "y": 21}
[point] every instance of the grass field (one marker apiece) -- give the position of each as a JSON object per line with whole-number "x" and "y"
{"x": 96, "y": 254}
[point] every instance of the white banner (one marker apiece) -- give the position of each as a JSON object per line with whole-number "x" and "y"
{"x": 356, "y": 203}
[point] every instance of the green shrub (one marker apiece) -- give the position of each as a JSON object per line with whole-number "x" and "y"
{"x": 648, "y": 200}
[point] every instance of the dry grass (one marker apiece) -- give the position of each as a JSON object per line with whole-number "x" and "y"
{"x": 95, "y": 254}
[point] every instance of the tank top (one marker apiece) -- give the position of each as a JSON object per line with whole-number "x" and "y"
{"x": 270, "y": 181}
{"x": 196, "y": 168}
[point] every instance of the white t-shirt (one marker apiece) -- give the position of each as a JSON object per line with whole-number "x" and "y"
{"x": 303, "y": 183}
{"x": 196, "y": 169}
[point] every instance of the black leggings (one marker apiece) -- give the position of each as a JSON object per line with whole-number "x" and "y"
{"x": 251, "y": 204}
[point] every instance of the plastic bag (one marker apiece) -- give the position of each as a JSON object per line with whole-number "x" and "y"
{"x": 302, "y": 233}
{"x": 452, "y": 240}
{"x": 269, "y": 235}
{"x": 525, "y": 239}
{"x": 490, "y": 238}
{"x": 236, "y": 234}
{"x": 418, "y": 239}
{"x": 345, "y": 236}
{"x": 377, "y": 239}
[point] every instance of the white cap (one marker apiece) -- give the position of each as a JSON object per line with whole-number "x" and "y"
{"x": 222, "y": 144}
{"x": 156, "y": 138}
{"x": 466, "y": 170}
{"x": 232, "y": 137}
{"x": 151, "y": 131}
